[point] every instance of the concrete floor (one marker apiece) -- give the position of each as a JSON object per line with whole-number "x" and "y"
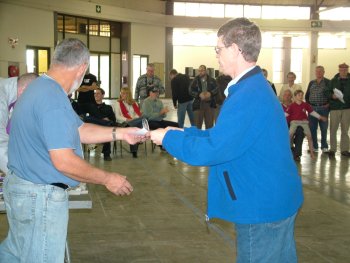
{"x": 163, "y": 220}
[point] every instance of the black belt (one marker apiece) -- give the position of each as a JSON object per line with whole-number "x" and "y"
{"x": 61, "y": 185}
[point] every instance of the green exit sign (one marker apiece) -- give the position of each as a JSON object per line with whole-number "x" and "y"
{"x": 316, "y": 23}
{"x": 98, "y": 9}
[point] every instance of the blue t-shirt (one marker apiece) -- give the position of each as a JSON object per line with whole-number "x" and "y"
{"x": 43, "y": 120}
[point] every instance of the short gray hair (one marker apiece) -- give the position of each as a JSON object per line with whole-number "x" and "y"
{"x": 245, "y": 34}
{"x": 71, "y": 53}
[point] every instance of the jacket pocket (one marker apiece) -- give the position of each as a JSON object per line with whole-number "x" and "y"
{"x": 229, "y": 186}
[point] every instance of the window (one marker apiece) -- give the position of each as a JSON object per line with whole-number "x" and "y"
{"x": 340, "y": 13}
{"x": 233, "y": 11}
{"x": 37, "y": 59}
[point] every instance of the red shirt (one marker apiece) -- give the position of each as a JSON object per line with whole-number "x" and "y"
{"x": 297, "y": 112}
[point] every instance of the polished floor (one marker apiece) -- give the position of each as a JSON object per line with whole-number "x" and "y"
{"x": 163, "y": 220}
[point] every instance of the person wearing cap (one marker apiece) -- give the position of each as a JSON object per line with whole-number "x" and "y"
{"x": 155, "y": 112}
{"x": 339, "y": 104}
{"x": 146, "y": 82}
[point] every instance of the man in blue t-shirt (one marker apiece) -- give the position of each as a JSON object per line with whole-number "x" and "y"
{"x": 45, "y": 159}
{"x": 253, "y": 181}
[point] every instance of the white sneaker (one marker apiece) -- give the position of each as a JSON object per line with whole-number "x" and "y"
{"x": 315, "y": 150}
{"x": 325, "y": 150}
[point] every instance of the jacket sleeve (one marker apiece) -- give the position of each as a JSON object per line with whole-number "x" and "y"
{"x": 329, "y": 89}
{"x": 230, "y": 138}
{"x": 307, "y": 94}
{"x": 194, "y": 91}
{"x": 4, "y": 138}
{"x": 139, "y": 84}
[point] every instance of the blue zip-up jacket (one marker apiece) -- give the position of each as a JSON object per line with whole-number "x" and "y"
{"x": 252, "y": 176}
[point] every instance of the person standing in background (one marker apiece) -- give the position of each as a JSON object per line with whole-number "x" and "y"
{"x": 10, "y": 90}
{"x": 290, "y": 85}
{"x": 316, "y": 96}
{"x": 182, "y": 100}
{"x": 86, "y": 93}
{"x": 264, "y": 71}
{"x": 203, "y": 90}
{"x": 146, "y": 82}
{"x": 339, "y": 104}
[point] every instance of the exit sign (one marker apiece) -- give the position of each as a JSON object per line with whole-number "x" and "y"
{"x": 316, "y": 23}
{"x": 98, "y": 9}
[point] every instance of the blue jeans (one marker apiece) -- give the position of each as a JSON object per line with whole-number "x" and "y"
{"x": 314, "y": 123}
{"x": 38, "y": 219}
{"x": 182, "y": 108}
{"x": 266, "y": 243}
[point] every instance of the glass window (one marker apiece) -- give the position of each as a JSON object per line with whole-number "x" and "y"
{"x": 82, "y": 25}
{"x": 252, "y": 11}
{"x": 192, "y": 9}
{"x": 205, "y": 10}
{"x": 70, "y": 24}
{"x": 105, "y": 29}
{"x": 116, "y": 29}
{"x": 300, "y": 42}
{"x": 218, "y": 10}
{"x": 340, "y": 13}
{"x": 331, "y": 41}
{"x": 179, "y": 9}
{"x": 93, "y": 27}
{"x": 285, "y": 12}
{"x": 233, "y": 11}
{"x": 60, "y": 23}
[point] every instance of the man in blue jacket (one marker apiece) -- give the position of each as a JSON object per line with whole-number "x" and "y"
{"x": 253, "y": 181}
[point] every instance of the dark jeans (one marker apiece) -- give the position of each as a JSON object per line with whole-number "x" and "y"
{"x": 314, "y": 123}
{"x": 298, "y": 141}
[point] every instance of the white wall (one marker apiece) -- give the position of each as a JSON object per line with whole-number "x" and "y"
{"x": 147, "y": 40}
{"x": 31, "y": 26}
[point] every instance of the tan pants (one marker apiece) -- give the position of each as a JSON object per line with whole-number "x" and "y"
{"x": 205, "y": 112}
{"x": 341, "y": 117}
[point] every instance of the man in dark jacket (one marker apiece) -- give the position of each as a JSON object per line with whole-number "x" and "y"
{"x": 102, "y": 114}
{"x": 203, "y": 90}
{"x": 182, "y": 99}
{"x": 339, "y": 94}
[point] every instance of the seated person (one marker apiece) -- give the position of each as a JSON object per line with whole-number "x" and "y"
{"x": 155, "y": 112}
{"x": 102, "y": 114}
{"x": 86, "y": 93}
{"x": 299, "y": 133}
{"x": 298, "y": 117}
{"x": 128, "y": 113}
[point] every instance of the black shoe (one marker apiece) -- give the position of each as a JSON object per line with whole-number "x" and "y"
{"x": 134, "y": 154}
{"x": 107, "y": 158}
{"x": 331, "y": 154}
{"x": 345, "y": 153}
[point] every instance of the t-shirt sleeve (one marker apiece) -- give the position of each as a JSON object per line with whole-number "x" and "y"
{"x": 60, "y": 129}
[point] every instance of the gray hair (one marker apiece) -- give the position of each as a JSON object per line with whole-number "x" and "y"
{"x": 25, "y": 79}
{"x": 245, "y": 34}
{"x": 71, "y": 53}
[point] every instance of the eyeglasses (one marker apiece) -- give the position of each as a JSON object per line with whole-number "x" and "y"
{"x": 218, "y": 49}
